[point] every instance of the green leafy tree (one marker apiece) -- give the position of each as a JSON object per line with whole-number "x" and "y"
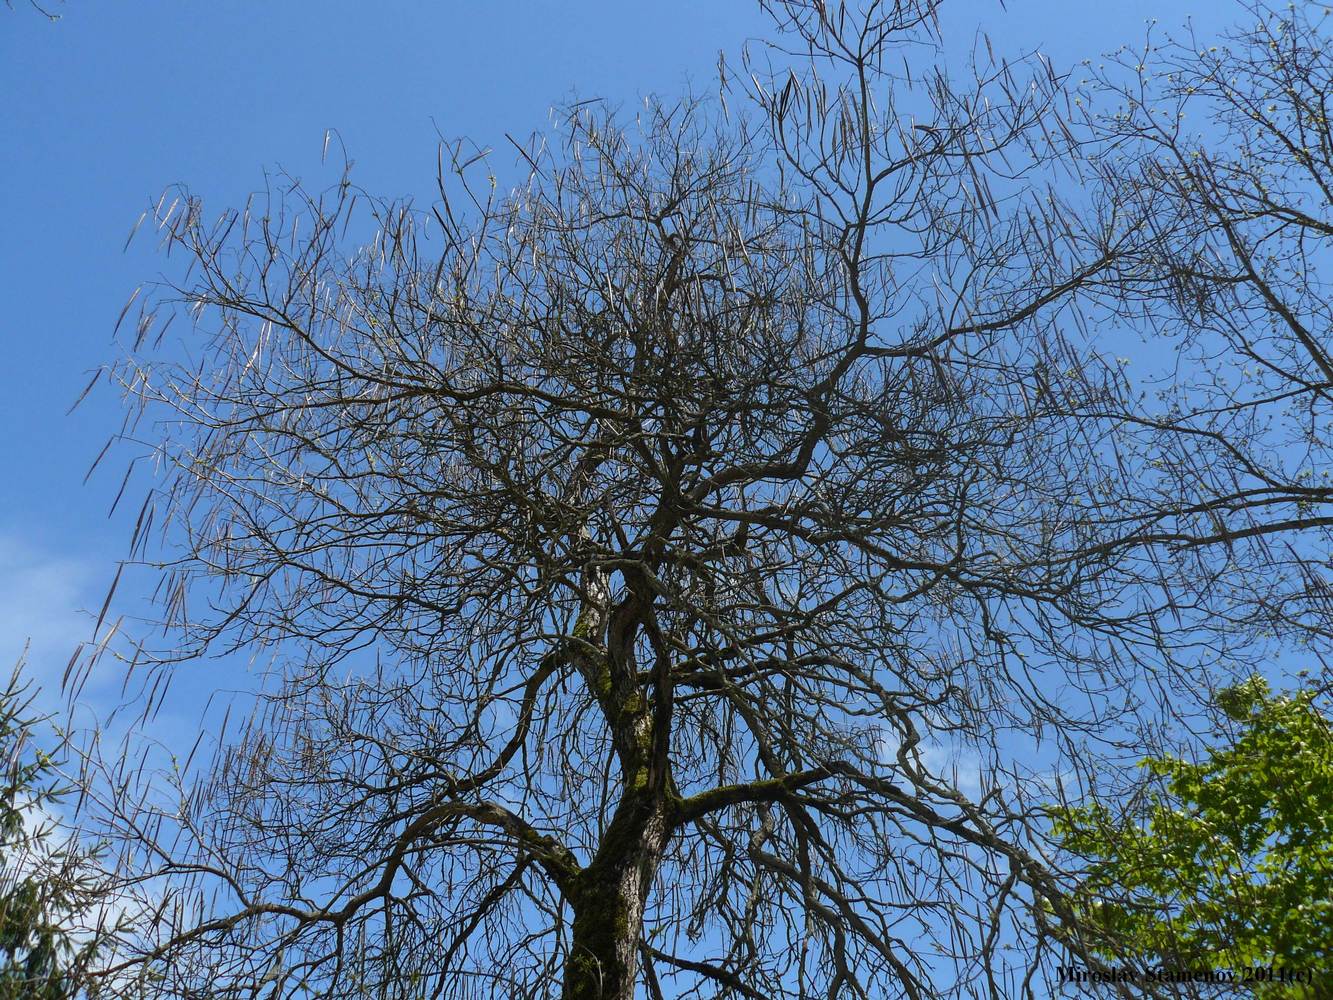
{"x": 1225, "y": 862}
{"x": 51, "y": 902}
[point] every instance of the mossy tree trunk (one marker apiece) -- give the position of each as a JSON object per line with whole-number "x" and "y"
{"x": 609, "y": 903}
{"x": 610, "y": 893}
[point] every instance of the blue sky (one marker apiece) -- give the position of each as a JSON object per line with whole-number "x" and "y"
{"x": 103, "y": 109}
{"x": 106, "y": 107}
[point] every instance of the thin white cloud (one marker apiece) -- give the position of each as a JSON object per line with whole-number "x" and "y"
{"x": 956, "y": 765}
{"x": 42, "y": 600}
{"x": 45, "y": 599}
{"x": 49, "y": 845}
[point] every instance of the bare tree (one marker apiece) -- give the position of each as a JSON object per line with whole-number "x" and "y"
{"x": 1226, "y": 147}
{"x": 637, "y": 538}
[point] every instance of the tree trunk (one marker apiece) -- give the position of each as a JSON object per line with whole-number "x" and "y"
{"x": 603, "y": 961}
{"x": 611, "y": 892}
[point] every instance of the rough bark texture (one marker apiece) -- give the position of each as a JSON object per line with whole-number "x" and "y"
{"x": 610, "y": 893}
{"x": 608, "y": 910}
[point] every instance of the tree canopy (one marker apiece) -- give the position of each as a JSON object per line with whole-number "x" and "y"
{"x": 632, "y": 538}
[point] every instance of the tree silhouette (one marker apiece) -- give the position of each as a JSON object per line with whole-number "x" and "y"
{"x": 637, "y": 539}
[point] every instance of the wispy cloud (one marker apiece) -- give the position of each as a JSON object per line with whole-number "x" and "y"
{"x": 45, "y": 597}
{"x": 952, "y": 762}
{"x": 43, "y": 601}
